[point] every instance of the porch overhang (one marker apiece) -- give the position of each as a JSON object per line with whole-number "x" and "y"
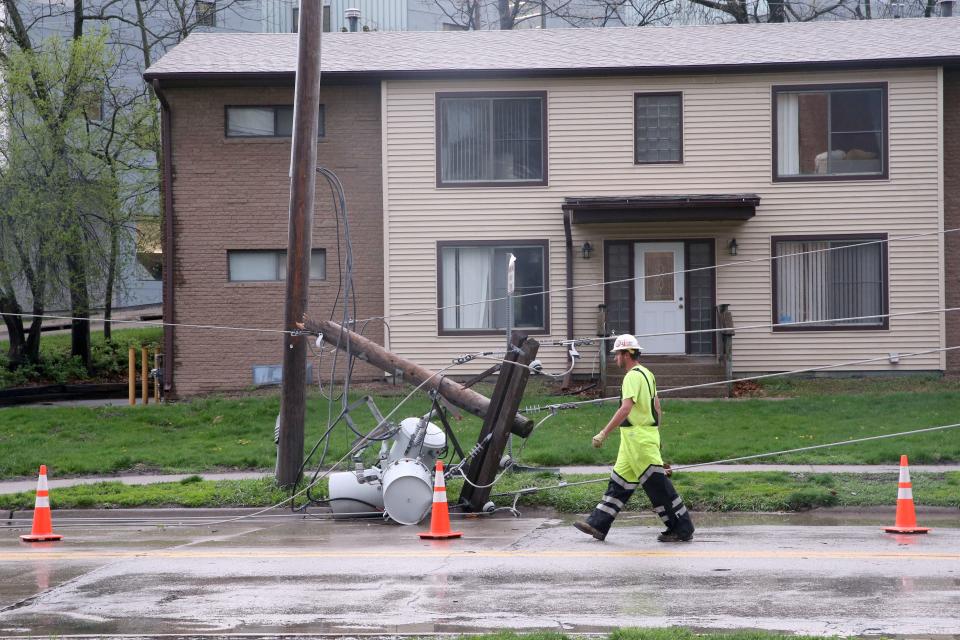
{"x": 666, "y": 208}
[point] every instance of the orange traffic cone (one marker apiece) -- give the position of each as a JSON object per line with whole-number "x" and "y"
{"x": 906, "y": 521}
{"x": 42, "y": 522}
{"x": 440, "y": 515}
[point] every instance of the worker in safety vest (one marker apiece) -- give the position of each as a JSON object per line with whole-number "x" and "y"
{"x": 638, "y": 461}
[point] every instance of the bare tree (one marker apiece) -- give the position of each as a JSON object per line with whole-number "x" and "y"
{"x": 123, "y": 136}
{"x": 475, "y": 15}
{"x": 48, "y": 168}
{"x": 619, "y": 13}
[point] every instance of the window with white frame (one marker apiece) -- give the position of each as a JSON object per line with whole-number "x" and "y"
{"x": 270, "y": 265}
{"x": 824, "y": 131}
{"x": 266, "y": 122}
{"x": 658, "y": 128}
{"x": 496, "y": 138}
{"x": 830, "y": 282}
{"x": 473, "y": 283}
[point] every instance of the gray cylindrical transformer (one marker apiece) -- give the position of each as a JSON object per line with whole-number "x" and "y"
{"x": 434, "y": 442}
{"x": 349, "y": 498}
{"x": 407, "y": 490}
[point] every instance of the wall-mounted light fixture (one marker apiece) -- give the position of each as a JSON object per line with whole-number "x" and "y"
{"x": 586, "y": 250}
{"x": 732, "y": 246}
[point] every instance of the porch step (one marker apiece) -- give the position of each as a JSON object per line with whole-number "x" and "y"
{"x": 716, "y": 391}
{"x": 652, "y": 361}
{"x": 677, "y": 371}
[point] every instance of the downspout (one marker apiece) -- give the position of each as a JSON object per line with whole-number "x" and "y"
{"x": 568, "y": 234}
{"x": 166, "y": 150}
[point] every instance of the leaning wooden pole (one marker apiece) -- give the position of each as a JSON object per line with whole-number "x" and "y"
{"x": 495, "y": 431}
{"x": 376, "y": 355}
{"x": 303, "y": 178}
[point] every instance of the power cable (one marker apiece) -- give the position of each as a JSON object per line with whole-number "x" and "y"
{"x": 811, "y": 369}
{"x": 434, "y": 310}
{"x": 769, "y": 325}
{"x": 574, "y": 405}
{"x": 726, "y": 265}
{"x": 199, "y": 520}
{"x": 769, "y": 454}
{"x": 359, "y": 445}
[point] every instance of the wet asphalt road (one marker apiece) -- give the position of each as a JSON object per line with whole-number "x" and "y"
{"x": 819, "y": 574}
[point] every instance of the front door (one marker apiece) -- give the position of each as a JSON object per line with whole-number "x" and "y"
{"x": 659, "y": 298}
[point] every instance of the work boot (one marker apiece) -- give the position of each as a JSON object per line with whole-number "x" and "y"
{"x": 586, "y": 528}
{"x": 675, "y": 536}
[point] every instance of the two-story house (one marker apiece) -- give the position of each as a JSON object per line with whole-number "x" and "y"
{"x": 660, "y": 172}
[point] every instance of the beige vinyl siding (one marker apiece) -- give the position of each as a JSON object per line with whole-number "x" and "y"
{"x": 727, "y": 149}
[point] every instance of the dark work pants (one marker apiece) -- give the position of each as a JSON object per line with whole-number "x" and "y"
{"x": 666, "y": 502}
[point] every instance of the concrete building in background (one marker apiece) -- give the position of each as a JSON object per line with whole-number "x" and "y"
{"x": 140, "y": 282}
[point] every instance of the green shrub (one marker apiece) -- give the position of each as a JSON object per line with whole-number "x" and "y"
{"x": 108, "y": 359}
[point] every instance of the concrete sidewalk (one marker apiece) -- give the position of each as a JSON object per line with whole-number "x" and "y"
{"x": 15, "y": 486}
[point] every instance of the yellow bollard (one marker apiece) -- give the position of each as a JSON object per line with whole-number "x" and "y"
{"x": 144, "y": 375}
{"x": 156, "y": 379}
{"x": 132, "y": 377}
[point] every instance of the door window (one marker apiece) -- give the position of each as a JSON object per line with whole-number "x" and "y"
{"x": 658, "y": 287}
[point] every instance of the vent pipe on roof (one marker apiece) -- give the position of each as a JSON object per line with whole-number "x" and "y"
{"x": 353, "y": 18}
{"x": 946, "y": 8}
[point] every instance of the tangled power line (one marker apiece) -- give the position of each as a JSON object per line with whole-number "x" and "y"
{"x": 434, "y": 310}
{"x": 346, "y": 299}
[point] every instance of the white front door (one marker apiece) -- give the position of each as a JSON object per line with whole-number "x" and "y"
{"x": 659, "y": 298}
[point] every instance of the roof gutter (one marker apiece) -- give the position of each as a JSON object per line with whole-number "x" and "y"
{"x": 234, "y": 78}
{"x": 166, "y": 154}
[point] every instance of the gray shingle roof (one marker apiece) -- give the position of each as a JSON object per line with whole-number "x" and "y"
{"x": 566, "y": 51}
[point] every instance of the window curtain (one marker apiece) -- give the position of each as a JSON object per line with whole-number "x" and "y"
{"x": 467, "y": 280}
{"x": 253, "y": 265}
{"x": 829, "y": 285}
{"x": 857, "y": 286}
{"x": 486, "y": 139}
{"x": 466, "y": 140}
{"x": 802, "y": 290}
{"x": 788, "y": 134}
{"x": 250, "y": 122}
{"x": 516, "y": 143}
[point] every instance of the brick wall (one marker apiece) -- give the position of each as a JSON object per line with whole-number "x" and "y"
{"x": 951, "y": 211}
{"x": 233, "y": 194}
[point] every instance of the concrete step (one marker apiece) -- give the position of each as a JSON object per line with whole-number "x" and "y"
{"x": 651, "y": 361}
{"x": 666, "y": 373}
{"x": 716, "y": 391}
{"x": 666, "y": 370}
{"x": 677, "y": 371}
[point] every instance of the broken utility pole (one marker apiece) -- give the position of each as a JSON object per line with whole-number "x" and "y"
{"x": 303, "y": 177}
{"x": 504, "y": 403}
{"x": 456, "y": 394}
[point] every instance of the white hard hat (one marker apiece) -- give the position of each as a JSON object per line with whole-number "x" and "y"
{"x": 625, "y": 343}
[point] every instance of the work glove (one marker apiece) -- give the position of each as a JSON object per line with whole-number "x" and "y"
{"x": 598, "y": 440}
{"x": 667, "y": 469}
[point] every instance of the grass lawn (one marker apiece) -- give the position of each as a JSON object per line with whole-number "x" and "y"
{"x": 702, "y": 491}
{"x": 797, "y": 387}
{"x": 671, "y": 633}
{"x": 237, "y": 433}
